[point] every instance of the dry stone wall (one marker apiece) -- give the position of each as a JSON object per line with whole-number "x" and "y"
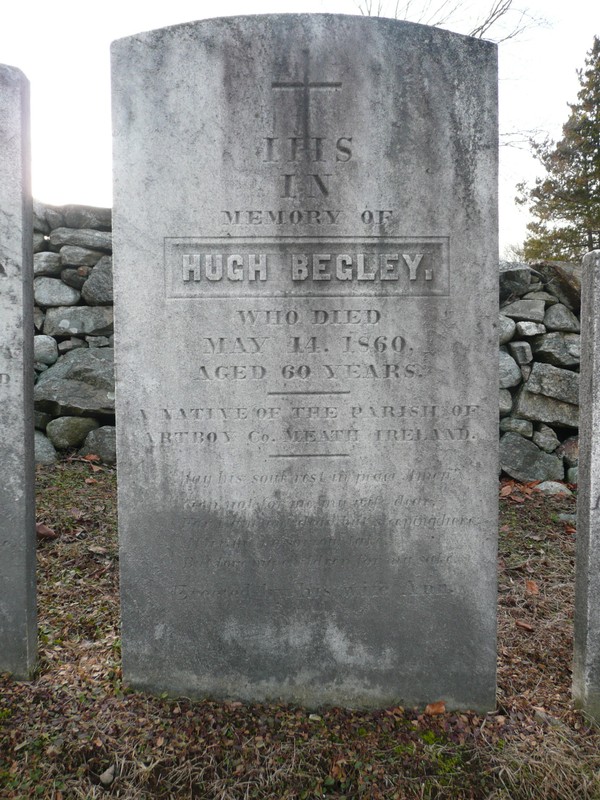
{"x": 539, "y": 370}
{"x": 74, "y": 392}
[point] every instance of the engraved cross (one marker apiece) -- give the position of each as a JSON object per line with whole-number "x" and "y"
{"x": 306, "y": 85}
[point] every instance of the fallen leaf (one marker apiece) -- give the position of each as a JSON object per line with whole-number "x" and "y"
{"x": 531, "y": 587}
{"x": 91, "y": 480}
{"x": 99, "y": 551}
{"x": 433, "y": 709}
{"x": 506, "y": 490}
{"x": 91, "y": 457}
{"x": 524, "y": 625}
{"x": 570, "y": 529}
{"x": 44, "y": 532}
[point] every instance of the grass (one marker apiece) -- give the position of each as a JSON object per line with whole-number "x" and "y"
{"x": 75, "y": 731}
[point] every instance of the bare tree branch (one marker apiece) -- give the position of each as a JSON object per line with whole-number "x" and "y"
{"x": 444, "y": 12}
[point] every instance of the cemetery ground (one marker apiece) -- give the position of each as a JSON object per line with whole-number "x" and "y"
{"x": 75, "y": 731}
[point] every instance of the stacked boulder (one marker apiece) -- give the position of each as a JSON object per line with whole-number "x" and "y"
{"x": 74, "y": 357}
{"x": 539, "y": 370}
{"x": 73, "y": 345}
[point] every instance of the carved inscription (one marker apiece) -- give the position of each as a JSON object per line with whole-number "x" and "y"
{"x": 283, "y": 266}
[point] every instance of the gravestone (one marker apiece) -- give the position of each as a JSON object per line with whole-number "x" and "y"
{"x": 306, "y": 298}
{"x": 586, "y": 663}
{"x": 17, "y": 500}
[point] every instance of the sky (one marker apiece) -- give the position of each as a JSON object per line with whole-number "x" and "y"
{"x": 62, "y": 46}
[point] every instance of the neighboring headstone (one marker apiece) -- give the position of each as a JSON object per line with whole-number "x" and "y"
{"x": 586, "y": 665}
{"x": 18, "y": 629}
{"x": 306, "y": 300}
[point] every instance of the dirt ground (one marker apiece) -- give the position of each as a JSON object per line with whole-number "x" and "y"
{"x": 75, "y": 731}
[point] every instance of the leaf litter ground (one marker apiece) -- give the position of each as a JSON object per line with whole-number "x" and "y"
{"x": 75, "y": 731}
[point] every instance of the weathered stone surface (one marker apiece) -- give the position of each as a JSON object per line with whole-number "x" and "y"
{"x": 77, "y": 216}
{"x": 40, "y": 222}
{"x": 525, "y": 371}
{"x": 546, "y": 297}
{"x": 17, "y": 500}
{"x": 73, "y": 343}
{"x": 538, "y": 407}
{"x": 586, "y": 662}
{"x": 44, "y": 449}
{"x": 546, "y": 438}
{"x": 521, "y": 352}
{"x": 102, "y": 443}
{"x": 39, "y": 242}
{"x": 563, "y": 280}
{"x": 573, "y": 475}
{"x": 560, "y": 349}
{"x": 514, "y": 280}
{"x": 562, "y": 384}
{"x": 47, "y": 264}
{"x": 559, "y": 318}
{"x": 82, "y": 320}
{"x": 523, "y": 460}
{"x": 66, "y": 432}
{"x": 40, "y": 420}
{"x": 75, "y": 277}
{"x": 82, "y": 237}
{"x": 382, "y": 560}
{"x": 53, "y": 292}
{"x": 72, "y": 256}
{"x": 81, "y": 383}
{"x": 505, "y": 402}
{"x": 569, "y": 450}
{"x": 530, "y": 329}
{"x": 553, "y": 487}
{"x": 528, "y": 310}
{"x": 53, "y": 215}
{"x": 38, "y": 318}
{"x": 45, "y": 349}
{"x": 98, "y": 289}
{"x": 98, "y": 341}
{"x": 506, "y": 329}
{"x": 514, "y": 425}
{"x": 510, "y": 374}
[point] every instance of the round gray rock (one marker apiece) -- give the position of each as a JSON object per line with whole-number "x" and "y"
{"x": 52, "y": 292}
{"x": 66, "y": 432}
{"x": 510, "y": 374}
{"x": 81, "y": 383}
{"x": 558, "y": 348}
{"x": 45, "y": 349}
{"x": 102, "y": 443}
{"x": 523, "y": 460}
{"x": 75, "y": 277}
{"x": 98, "y": 289}
{"x": 86, "y": 320}
{"x": 72, "y": 256}
{"x": 47, "y": 264}
{"x": 44, "y": 449}
{"x": 560, "y": 318}
{"x": 506, "y": 402}
{"x": 506, "y": 328}
{"x": 553, "y": 487}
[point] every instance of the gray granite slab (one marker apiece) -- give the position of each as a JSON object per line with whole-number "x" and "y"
{"x": 586, "y": 662}
{"x": 306, "y": 275}
{"x": 17, "y": 501}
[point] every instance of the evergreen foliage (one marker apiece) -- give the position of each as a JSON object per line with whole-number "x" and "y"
{"x": 566, "y": 202}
